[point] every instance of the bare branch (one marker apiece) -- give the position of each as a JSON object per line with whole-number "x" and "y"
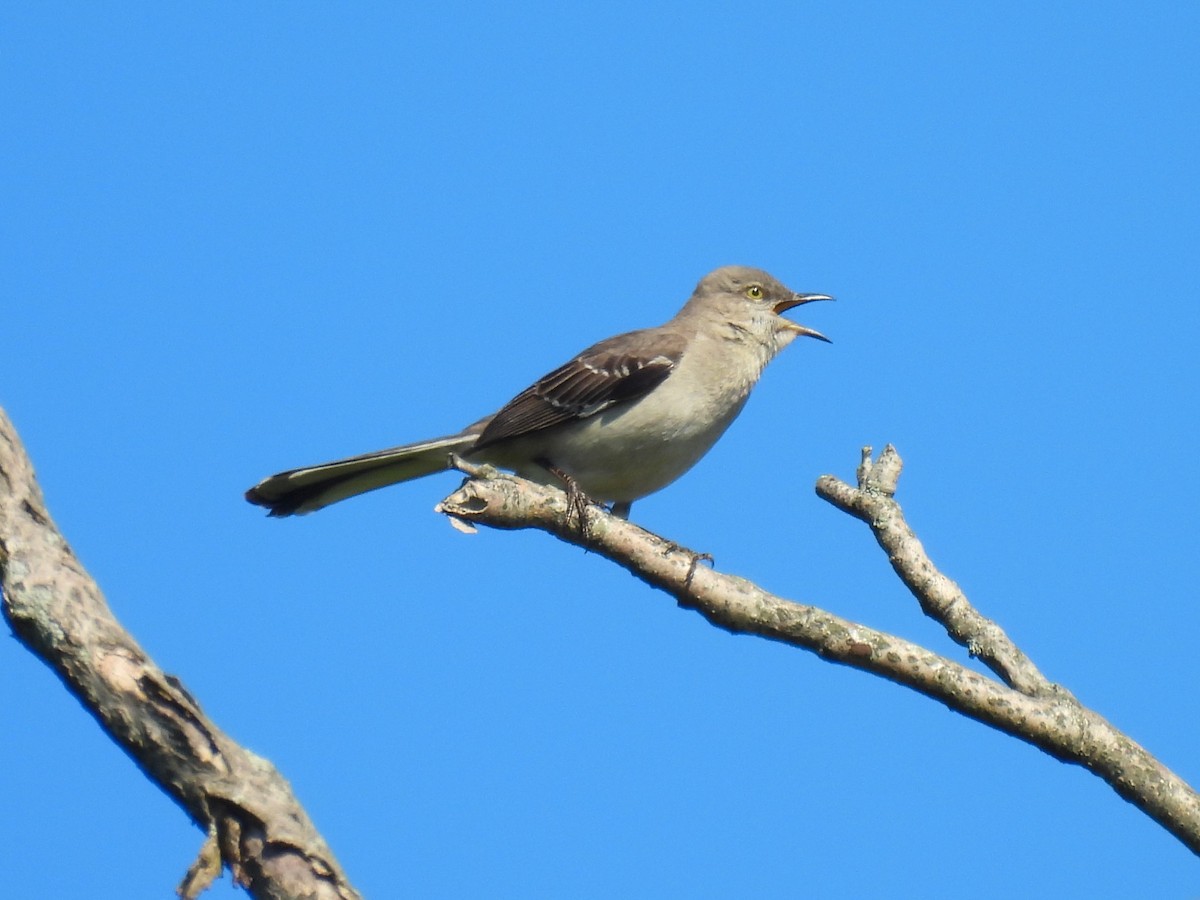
{"x": 940, "y": 598}
{"x": 254, "y": 824}
{"x": 1038, "y": 712}
{"x": 256, "y": 827}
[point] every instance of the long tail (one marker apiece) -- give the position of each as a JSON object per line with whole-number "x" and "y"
{"x": 299, "y": 491}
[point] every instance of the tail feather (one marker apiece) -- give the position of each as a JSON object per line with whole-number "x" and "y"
{"x": 299, "y": 491}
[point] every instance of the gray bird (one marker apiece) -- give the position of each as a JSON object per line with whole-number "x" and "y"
{"x": 623, "y": 419}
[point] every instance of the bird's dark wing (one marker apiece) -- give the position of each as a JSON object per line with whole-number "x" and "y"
{"x": 617, "y": 370}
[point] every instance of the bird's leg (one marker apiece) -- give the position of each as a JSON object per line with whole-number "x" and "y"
{"x": 621, "y": 510}
{"x": 577, "y": 500}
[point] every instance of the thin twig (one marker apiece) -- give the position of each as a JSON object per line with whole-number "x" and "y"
{"x": 940, "y": 598}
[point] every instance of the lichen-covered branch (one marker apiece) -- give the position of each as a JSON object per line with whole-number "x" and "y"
{"x": 941, "y": 599}
{"x": 1032, "y": 709}
{"x": 253, "y": 822}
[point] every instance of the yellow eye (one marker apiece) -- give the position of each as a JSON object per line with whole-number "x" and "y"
{"x": 754, "y": 292}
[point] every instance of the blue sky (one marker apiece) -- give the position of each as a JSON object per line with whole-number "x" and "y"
{"x": 240, "y": 238}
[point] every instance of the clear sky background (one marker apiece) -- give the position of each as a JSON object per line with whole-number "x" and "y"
{"x": 240, "y": 238}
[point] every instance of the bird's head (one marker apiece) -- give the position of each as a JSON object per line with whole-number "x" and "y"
{"x": 751, "y": 303}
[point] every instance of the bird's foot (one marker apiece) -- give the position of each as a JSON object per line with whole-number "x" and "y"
{"x": 577, "y": 503}
{"x": 697, "y": 558}
{"x": 577, "y": 500}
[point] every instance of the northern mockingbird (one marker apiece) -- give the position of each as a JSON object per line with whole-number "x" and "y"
{"x": 621, "y": 420}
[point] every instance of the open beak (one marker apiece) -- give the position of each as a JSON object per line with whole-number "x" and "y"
{"x": 797, "y": 300}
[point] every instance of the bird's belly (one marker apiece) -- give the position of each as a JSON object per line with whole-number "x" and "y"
{"x": 624, "y": 455}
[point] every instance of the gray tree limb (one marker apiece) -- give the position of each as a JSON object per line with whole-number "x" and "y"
{"x": 257, "y": 828}
{"x": 1023, "y": 703}
{"x": 253, "y": 822}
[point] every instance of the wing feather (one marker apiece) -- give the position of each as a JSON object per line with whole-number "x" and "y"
{"x": 618, "y": 370}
